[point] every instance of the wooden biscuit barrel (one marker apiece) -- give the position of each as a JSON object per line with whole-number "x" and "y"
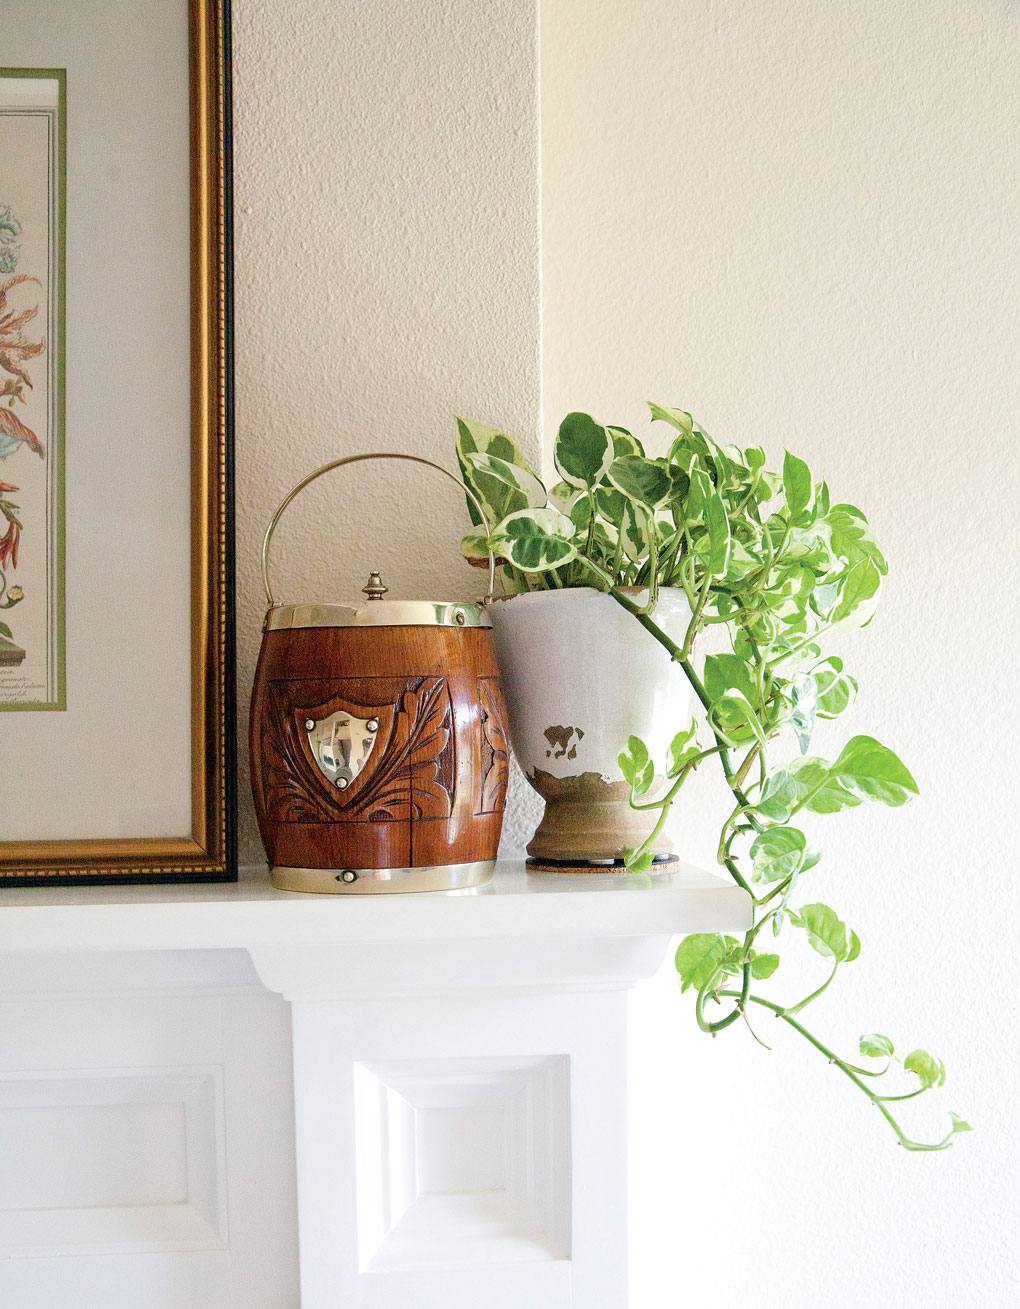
{"x": 379, "y": 753}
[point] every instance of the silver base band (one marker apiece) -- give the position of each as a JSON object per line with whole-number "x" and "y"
{"x": 373, "y": 881}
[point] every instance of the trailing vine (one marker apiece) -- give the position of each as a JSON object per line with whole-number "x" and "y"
{"x": 771, "y": 561}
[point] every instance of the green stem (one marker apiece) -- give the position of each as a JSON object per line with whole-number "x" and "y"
{"x": 745, "y": 767}
{"x": 741, "y": 996}
{"x": 667, "y": 570}
{"x": 660, "y": 823}
{"x": 618, "y": 556}
{"x": 755, "y": 479}
{"x": 749, "y": 938}
{"x": 870, "y": 1072}
{"x": 648, "y": 623}
{"x": 723, "y": 848}
{"x": 674, "y": 790}
{"x": 592, "y": 515}
{"x": 653, "y": 565}
{"x": 778, "y": 889}
{"x": 796, "y": 1008}
{"x": 687, "y": 571}
{"x": 845, "y": 1068}
{"x": 699, "y": 609}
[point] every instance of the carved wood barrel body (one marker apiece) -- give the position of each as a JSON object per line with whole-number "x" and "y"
{"x": 378, "y": 746}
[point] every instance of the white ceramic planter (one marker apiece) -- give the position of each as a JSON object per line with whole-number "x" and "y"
{"x": 580, "y": 675}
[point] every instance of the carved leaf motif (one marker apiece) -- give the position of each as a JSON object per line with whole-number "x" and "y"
{"x": 495, "y": 750}
{"x": 411, "y": 779}
{"x": 408, "y": 781}
{"x": 288, "y": 799}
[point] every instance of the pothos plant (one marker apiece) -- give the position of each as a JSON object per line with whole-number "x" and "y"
{"x": 769, "y": 559}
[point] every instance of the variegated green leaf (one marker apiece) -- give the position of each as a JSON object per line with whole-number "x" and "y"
{"x": 643, "y": 480}
{"x": 852, "y": 537}
{"x": 803, "y": 693}
{"x": 682, "y": 749}
{"x": 796, "y": 484}
{"x": 827, "y": 933}
{"x": 638, "y": 860}
{"x": 930, "y": 1070}
{"x": 535, "y": 540}
{"x": 563, "y": 496}
{"x": 518, "y": 476}
{"x": 583, "y": 450}
{"x": 836, "y": 689}
{"x": 634, "y": 532}
{"x": 701, "y": 491}
{"x": 497, "y": 497}
{"x": 624, "y": 443}
{"x": 778, "y": 853}
{"x": 700, "y": 957}
{"x": 678, "y": 418}
{"x": 717, "y": 556}
{"x": 636, "y": 765}
{"x": 858, "y": 593}
{"x": 877, "y": 1046}
{"x": 475, "y": 548}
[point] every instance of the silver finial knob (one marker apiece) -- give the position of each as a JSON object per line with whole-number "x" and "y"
{"x": 374, "y": 588}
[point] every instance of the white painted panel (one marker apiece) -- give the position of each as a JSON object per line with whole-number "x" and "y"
{"x": 222, "y": 1060}
{"x": 463, "y": 1161}
{"x": 461, "y": 1149}
{"x": 509, "y": 1286}
{"x": 73, "y": 1156}
{"x": 84, "y": 974}
{"x": 120, "y": 1161}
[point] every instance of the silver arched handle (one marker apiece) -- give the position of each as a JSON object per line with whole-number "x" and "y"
{"x": 357, "y": 459}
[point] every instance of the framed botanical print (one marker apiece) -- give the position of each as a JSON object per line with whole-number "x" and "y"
{"x": 116, "y": 598}
{"x": 32, "y": 136}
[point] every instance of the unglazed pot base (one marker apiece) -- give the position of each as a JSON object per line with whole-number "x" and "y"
{"x": 587, "y": 818}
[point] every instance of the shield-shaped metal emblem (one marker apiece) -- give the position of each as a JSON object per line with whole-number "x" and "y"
{"x": 341, "y": 745}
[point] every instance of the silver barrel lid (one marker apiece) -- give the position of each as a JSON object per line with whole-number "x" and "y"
{"x": 379, "y": 613}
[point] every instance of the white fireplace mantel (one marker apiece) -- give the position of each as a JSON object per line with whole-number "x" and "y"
{"x": 459, "y": 1086}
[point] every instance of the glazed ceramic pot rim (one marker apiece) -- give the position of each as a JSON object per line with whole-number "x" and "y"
{"x": 675, "y": 594}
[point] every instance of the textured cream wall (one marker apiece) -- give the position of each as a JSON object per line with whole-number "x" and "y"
{"x": 387, "y": 277}
{"x": 796, "y": 219}
{"x": 799, "y": 221}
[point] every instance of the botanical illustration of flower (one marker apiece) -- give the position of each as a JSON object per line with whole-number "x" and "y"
{"x": 10, "y": 230}
{"x": 9, "y": 542}
{"x": 9, "y": 595}
{"x": 15, "y": 352}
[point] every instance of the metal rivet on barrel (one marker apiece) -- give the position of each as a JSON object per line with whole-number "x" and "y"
{"x": 459, "y": 618}
{"x": 348, "y": 875}
{"x": 373, "y": 724}
{"x": 342, "y": 783}
{"x": 309, "y": 724}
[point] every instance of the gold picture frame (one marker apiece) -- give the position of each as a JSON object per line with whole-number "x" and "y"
{"x": 208, "y": 851}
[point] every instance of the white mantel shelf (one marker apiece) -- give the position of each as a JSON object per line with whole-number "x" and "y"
{"x": 251, "y": 912}
{"x": 458, "y": 1071}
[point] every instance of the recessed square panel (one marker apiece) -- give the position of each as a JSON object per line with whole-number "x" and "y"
{"x": 461, "y": 1151}
{"x": 463, "y": 1161}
